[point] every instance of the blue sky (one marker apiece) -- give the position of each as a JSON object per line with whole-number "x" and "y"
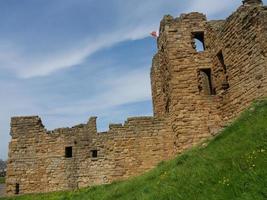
{"x": 67, "y": 60}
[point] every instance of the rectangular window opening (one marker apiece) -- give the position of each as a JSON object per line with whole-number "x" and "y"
{"x": 68, "y": 152}
{"x": 17, "y": 188}
{"x": 94, "y": 153}
{"x": 198, "y": 43}
{"x": 205, "y": 85}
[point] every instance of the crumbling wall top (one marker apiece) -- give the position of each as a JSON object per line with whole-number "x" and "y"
{"x": 217, "y": 25}
{"x": 23, "y": 125}
{"x": 192, "y": 16}
{"x": 252, "y": 2}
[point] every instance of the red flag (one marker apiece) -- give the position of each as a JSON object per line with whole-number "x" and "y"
{"x": 154, "y": 34}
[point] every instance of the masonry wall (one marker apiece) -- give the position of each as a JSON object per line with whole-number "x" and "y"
{"x": 192, "y": 113}
{"x": 234, "y": 52}
{"x": 37, "y": 159}
{"x": 242, "y": 42}
{"x": 195, "y": 94}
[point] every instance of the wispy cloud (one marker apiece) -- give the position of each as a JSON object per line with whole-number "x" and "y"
{"x": 213, "y": 8}
{"x": 120, "y": 89}
{"x": 131, "y": 24}
{"x": 26, "y": 66}
{"x": 44, "y": 65}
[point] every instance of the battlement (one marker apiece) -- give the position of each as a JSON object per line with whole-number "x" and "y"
{"x": 29, "y": 120}
{"x": 204, "y": 74}
{"x": 25, "y": 125}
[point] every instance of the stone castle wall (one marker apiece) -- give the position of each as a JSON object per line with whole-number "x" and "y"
{"x": 195, "y": 94}
{"x": 38, "y": 162}
{"x": 193, "y": 115}
{"x": 242, "y": 42}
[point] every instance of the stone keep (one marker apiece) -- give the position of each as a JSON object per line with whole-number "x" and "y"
{"x": 196, "y": 91}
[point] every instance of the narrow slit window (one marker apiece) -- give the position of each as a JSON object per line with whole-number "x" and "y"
{"x": 205, "y": 85}
{"x": 17, "y": 188}
{"x": 68, "y": 152}
{"x": 94, "y": 153}
{"x": 198, "y": 41}
{"x": 167, "y": 106}
{"x": 225, "y": 84}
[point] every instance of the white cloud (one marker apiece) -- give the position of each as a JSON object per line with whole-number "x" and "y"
{"x": 121, "y": 89}
{"x": 212, "y": 7}
{"x": 29, "y": 64}
{"x": 132, "y": 26}
{"x": 26, "y": 66}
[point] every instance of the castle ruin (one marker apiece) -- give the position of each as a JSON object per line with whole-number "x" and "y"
{"x": 196, "y": 92}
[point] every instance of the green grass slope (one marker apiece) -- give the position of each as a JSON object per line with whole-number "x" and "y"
{"x": 233, "y": 166}
{"x": 2, "y": 180}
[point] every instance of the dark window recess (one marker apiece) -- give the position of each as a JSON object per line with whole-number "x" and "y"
{"x": 17, "y": 188}
{"x": 225, "y": 84}
{"x": 94, "y": 153}
{"x": 167, "y": 106}
{"x": 205, "y": 85}
{"x": 198, "y": 43}
{"x": 68, "y": 152}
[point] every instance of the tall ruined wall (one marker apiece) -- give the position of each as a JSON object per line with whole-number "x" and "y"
{"x": 195, "y": 93}
{"x": 201, "y": 91}
{"x": 192, "y": 113}
{"x": 38, "y": 162}
{"x": 238, "y": 51}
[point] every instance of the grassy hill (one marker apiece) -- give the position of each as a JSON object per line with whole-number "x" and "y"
{"x": 233, "y": 166}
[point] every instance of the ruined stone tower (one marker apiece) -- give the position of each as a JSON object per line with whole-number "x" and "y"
{"x": 196, "y": 91}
